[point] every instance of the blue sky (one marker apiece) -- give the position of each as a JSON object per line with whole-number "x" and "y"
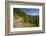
{"x": 30, "y": 11}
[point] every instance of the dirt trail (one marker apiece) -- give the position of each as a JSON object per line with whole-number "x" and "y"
{"x": 18, "y": 22}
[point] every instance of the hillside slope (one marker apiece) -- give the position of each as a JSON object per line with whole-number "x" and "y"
{"x": 29, "y": 20}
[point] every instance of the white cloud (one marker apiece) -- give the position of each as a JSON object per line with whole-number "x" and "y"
{"x": 33, "y": 14}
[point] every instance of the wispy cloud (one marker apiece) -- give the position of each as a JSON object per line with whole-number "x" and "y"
{"x": 32, "y": 14}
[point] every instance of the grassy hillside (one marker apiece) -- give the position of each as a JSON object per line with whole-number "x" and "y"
{"x": 29, "y": 20}
{"x": 32, "y": 20}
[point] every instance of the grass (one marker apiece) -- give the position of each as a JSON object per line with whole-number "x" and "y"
{"x": 29, "y": 25}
